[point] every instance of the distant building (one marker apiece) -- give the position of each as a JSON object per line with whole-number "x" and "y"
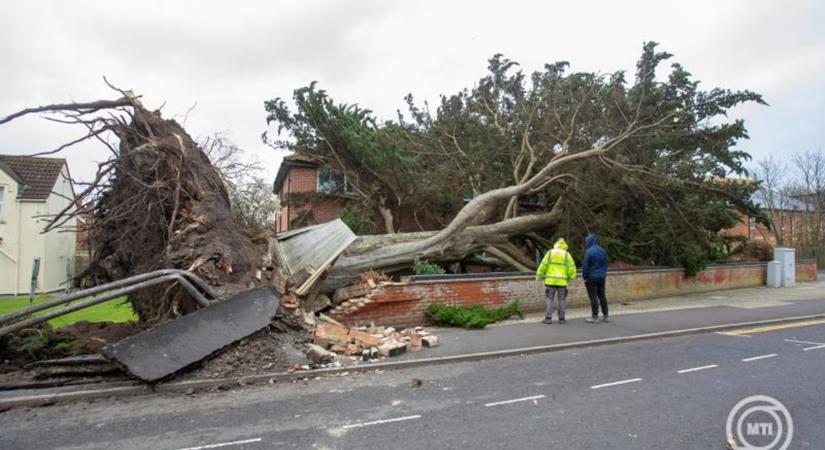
{"x": 31, "y": 189}
{"x": 796, "y": 222}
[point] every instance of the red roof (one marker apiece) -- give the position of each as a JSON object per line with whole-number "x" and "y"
{"x": 38, "y": 175}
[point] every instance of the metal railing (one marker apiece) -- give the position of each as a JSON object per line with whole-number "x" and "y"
{"x": 190, "y": 282}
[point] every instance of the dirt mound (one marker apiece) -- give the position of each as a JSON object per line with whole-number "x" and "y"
{"x": 263, "y": 352}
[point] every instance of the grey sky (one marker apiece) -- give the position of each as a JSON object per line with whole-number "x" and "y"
{"x": 228, "y": 57}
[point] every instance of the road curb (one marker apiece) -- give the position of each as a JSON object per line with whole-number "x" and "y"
{"x": 228, "y": 383}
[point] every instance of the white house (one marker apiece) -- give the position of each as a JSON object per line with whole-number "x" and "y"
{"x": 30, "y": 190}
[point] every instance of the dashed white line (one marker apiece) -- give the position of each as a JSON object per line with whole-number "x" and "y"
{"x": 507, "y": 402}
{"x": 615, "y": 383}
{"x": 224, "y": 444}
{"x": 759, "y": 357}
{"x": 816, "y": 345}
{"x": 695, "y": 369}
{"x": 379, "y": 422}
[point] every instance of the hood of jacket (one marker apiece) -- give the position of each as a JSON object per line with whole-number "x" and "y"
{"x": 591, "y": 240}
{"x": 561, "y": 243}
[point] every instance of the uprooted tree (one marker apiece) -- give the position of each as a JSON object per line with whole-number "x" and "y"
{"x": 558, "y": 153}
{"x": 157, "y": 202}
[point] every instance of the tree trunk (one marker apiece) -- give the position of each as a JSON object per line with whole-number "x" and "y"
{"x": 389, "y": 222}
{"x": 361, "y": 255}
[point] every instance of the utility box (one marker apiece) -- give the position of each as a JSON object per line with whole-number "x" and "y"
{"x": 786, "y": 257}
{"x": 774, "y": 274}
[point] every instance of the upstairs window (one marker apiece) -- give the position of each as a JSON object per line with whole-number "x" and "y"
{"x": 332, "y": 182}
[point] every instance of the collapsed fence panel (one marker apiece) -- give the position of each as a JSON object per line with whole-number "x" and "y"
{"x": 168, "y": 348}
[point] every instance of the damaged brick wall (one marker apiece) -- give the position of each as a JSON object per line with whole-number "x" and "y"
{"x": 405, "y": 303}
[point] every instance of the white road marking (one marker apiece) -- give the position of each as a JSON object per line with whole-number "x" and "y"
{"x": 816, "y": 345}
{"x": 695, "y": 369}
{"x": 507, "y": 402}
{"x": 223, "y": 444}
{"x": 379, "y": 422}
{"x": 615, "y": 383}
{"x": 759, "y": 357}
{"x": 813, "y": 348}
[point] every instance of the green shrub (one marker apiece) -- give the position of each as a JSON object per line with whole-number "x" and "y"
{"x": 474, "y": 316}
{"x": 424, "y": 267}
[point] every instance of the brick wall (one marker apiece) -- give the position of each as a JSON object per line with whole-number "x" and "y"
{"x": 404, "y": 303}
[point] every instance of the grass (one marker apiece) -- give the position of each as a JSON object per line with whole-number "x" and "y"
{"x": 115, "y": 310}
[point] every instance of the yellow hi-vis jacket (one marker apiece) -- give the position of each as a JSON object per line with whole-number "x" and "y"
{"x": 557, "y": 267}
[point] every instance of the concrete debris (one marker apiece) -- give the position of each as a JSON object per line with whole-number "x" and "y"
{"x": 369, "y": 343}
{"x": 318, "y": 355}
{"x": 392, "y": 348}
{"x": 330, "y": 333}
{"x": 363, "y": 338}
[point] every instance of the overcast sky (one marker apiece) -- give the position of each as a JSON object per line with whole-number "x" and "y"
{"x": 228, "y": 57}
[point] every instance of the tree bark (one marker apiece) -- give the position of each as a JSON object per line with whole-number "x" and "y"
{"x": 389, "y": 222}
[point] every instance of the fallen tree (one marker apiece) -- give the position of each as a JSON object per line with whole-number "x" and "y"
{"x": 555, "y": 153}
{"x": 156, "y": 203}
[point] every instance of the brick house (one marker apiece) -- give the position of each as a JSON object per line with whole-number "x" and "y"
{"x": 796, "y": 222}
{"x": 312, "y": 193}
{"x": 308, "y": 194}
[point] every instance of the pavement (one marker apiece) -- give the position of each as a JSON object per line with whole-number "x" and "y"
{"x": 635, "y": 318}
{"x": 674, "y": 393}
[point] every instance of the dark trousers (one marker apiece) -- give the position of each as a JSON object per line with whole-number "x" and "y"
{"x": 549, "y": 292}
{"x": 595, "y": 290}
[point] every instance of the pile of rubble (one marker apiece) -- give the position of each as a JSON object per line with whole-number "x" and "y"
{"x": 367, "y": 343}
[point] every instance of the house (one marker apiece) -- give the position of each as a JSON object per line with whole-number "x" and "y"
{"x": 312, "y": 193}
{"x": 32, "y": 189}
{"x": 309, "y": 194}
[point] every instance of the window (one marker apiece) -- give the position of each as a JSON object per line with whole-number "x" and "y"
{"x": 2, "y": 202}
{"x": 332, "y": 182}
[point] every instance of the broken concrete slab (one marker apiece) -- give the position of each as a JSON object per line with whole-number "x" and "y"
{"x": 172, "y": 346}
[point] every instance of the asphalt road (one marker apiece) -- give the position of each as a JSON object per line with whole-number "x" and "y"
{"x": 669, "y": 393}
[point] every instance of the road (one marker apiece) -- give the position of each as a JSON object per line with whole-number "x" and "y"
{"x": 670, "y": 393}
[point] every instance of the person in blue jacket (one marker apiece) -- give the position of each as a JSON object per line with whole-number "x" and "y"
{"x": 594, "y": 272}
